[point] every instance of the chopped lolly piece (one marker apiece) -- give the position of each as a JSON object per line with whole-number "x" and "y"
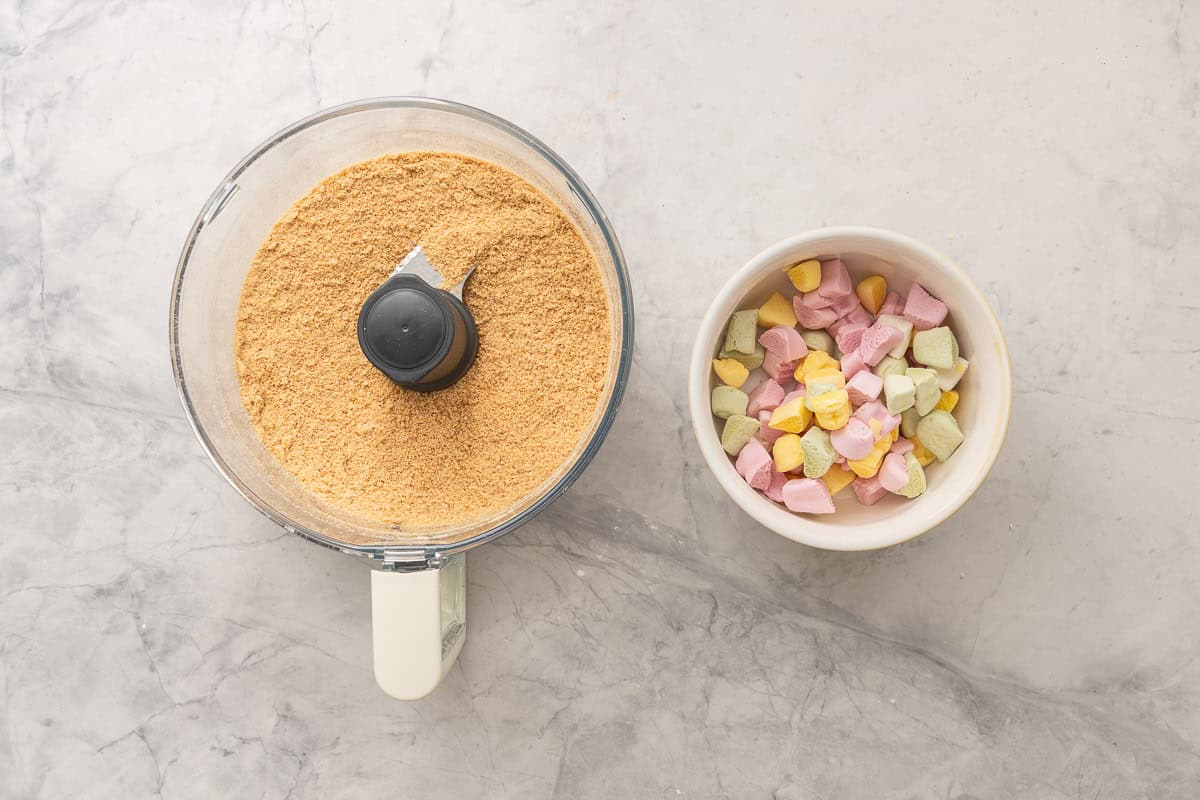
{"x": 822, "y": 381}
{"x": 871, "y": 292}
{"x": 752, "y": 361}
{"x": 807, "y": 496}
{"x": 776, "y": 368}
{"x": 858, "y": 315}
{"x": 813, "y": 318}
{"x": 923, "y": 309}
{"x": 936, "y": 347}
{"x": 852, "y": 364}
{"x": 835, "y": 279}
{"x": 818, "y": 340}
{"x": 776, "y": 311}
{"x": 797, "y": 392}
{"x": 906, "y": 331}
{"x": 737, "y": 431}
{"x": 740, "y": 333}
{"x": 814, "y": 301}
{"x": 854, "y": 440}
{"x": 787, "y": 452}
{"x": 754, "y": 464}
{"x": 731, "y": 372}
{"x": 908, "y": 422}
{"x": 863, "y": 386}
{"x": 949, "y": 378}
{"x": 785, "y": 342}
{"x": 927, "y": 391}
{"x": 893, "y": 474}
{"x": 874, "y": 412}
{"x": 774, "y": 490}
{"x": 849, "y": 336}
{"x": 890, "y": 366}
{"x": 791, "y": 416}
{"x": 940, "y": 434}
{"x": 892, "y": 304}
{"x": 901, "y": 446}
{"x": 900, "y": 392}
{"x": 766, "y": 433}
{"x": 837, "y": 478}
{"x": 877, "y": 340}
{"x": 867, "y": 490}
{"x": 948, "y": 400}
{"x": 923, "y": 456}
{"x": 727, "y": 401}
{"x": 816, "y": 361}
{"x": 832, "y": 408}
{"x": 916, "y": 478}
{"x": 844, "y": 306}
{"x": 805, "y": 276}
{"x": 765, "y": 397}
{"x": 818, "y": 452}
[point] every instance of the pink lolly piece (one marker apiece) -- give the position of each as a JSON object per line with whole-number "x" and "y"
{"x": 765, "y": 397}
{"x": 867, "y": 490}
{"x": 877, "y": 340}
{"x": 774, "y": 490}
{"x": 854, "y": 439}
{"x": 754, "y": 464}
{"x": 877, "y": 411}
{"x": 808, "y": 496}
{"x": 846, "y": 304}
{"x": 776, "y": 368}
{"x": 863, "y": 386}
{"x": 901, "y": 446}
{"x": 784, "y": 342}
{"x": 893, "y": 475}
{"x": 835, "y": 279}
{"x": 813, "y": 318}
{"x": 859, "y": 314}
{"x": 849, "y": 336}
{"x": 813, "y": 300}
{"x": 892, "y": 304}
{"x": 924, "y": 310}
{"x": 852, "y": 364}
{"x": 799, "y": 391}
{"x": 766, "y": 433}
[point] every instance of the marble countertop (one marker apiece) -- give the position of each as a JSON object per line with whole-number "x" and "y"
{"x": 643, "y": 638}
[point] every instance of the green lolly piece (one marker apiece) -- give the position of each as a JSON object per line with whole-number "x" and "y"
{"x": 899, "y": 392}
{"x": 928, "y": 393}
{"x": 742, "y": 334}
{"x": 818, "y": 452}
{"x": 738, "y": 432}
{"x": 752, "y": 361}
{"x": 935, "y": 348}
{"x": 727, "y": 401}
{"x": 916, "y": 477}
{"x": 939, "y": 432}
{"x": 890, "y": 366}
{"x": 818, "y": 340}
{"x": 908, "y": 422}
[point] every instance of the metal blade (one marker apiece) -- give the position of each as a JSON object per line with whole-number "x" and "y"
{"x": 417, "y": 263}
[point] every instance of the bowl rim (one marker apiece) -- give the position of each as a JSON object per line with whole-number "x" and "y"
{"x": 762, "y": 510}
{"x": 432, "y": 552}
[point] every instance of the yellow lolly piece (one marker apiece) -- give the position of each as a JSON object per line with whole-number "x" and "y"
{"x": 787, "y": 452}
{"x": 805, "y": 276}
{"x": 792, "y": 416}
{"x": 871, "y": 291}
{"x": 948, "y": 401}
{"x": 834, "y": 420}
{"x": 923, "y": 456}
{"x": 828, "y": 377}
{"x": 837, "y": 479}
{"x": 868, "y": 465}
{"x": 776, "y": 311}
{"x": 817, "y": 361}
{"x": 730, "y": 371}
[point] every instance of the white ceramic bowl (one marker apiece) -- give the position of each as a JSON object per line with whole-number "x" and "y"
{"x": 985, "y": 391}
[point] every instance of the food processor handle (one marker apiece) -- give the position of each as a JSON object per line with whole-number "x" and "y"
{"x": 418, "y": 624}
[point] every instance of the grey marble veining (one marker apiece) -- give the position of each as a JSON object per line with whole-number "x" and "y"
{"x": 643, "y": 638}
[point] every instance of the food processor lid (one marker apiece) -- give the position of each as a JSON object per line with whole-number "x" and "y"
{"x": 419, "y": 335}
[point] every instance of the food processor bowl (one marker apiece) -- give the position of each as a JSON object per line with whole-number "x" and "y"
{"x": 418, "y": 585}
